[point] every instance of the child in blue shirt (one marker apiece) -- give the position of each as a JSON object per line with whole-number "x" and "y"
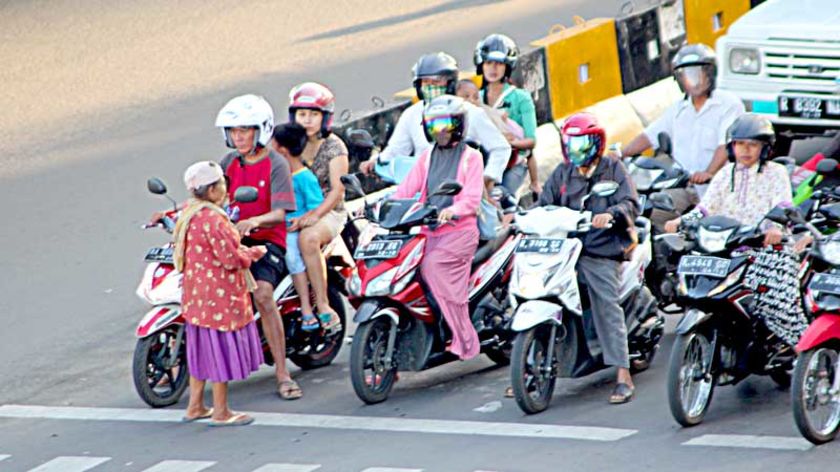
{"x": 289, "y": 141}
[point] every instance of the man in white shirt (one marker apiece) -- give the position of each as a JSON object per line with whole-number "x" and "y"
{"x": 697, "y": 126}
{"x": 434, "y": 75}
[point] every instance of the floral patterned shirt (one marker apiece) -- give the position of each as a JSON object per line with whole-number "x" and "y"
{"x": 331, "y": 148}
{"x": 215, "y": 293}
{"x": 752, "y": 195}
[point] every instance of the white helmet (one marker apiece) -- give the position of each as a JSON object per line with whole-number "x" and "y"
{"x": 247, "y": 111}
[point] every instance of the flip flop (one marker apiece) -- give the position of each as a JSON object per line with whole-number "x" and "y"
{"x": 187, "y": 419}
{"x": 330, "y": 322}
{"x": 240, "y": 419}
{"x": 309, "y": 322}
{"x": 622, "y": 393}
{"x": 289, "y": 390}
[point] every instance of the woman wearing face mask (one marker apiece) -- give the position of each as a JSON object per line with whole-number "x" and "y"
{"x": 450, "y": 246}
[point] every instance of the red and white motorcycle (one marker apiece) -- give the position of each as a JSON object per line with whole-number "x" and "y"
{"x": 399, "y": 326}
{"x": 160, "y": 356}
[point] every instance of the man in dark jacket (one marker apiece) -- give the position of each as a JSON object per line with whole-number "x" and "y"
{"x": 610, "y": 240}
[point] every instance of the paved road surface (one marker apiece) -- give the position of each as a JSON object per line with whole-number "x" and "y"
{"x": 99, "y": 95}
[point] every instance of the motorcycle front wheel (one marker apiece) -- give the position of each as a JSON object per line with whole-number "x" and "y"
{"x": 816, "y": 408}
{"x": 372, "y": 379}
{"x": 532, "y": 378}
{"x": 690, "y": 385}
{"x": 159, "y": 379}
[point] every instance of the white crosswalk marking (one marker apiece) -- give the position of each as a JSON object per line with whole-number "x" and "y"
{"x": 288, "y": 468}
{"x": 750, "y": 442}
{"x": 70, "y": 464}
{"x": 390, "y": 469}
{"x": 4, "y": 456}
{"x": 180, "y": 466}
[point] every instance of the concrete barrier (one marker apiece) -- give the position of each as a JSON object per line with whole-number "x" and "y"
{"x": 707, "y": 20}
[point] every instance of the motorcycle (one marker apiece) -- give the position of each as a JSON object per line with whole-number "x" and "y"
{"x": 719, "y": 340}
{"x": 159, "y": 366}
{"x": 815, "y": 394}
{"x": 399, "y": 325}
{"x": 554, "y": 332}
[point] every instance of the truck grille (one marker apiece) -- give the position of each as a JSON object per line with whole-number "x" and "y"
{"x": 813, "y": 66}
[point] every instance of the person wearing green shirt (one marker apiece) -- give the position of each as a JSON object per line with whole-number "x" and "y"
{"x": 495, "y": 58}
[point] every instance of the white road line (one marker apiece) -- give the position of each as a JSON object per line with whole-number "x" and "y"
{"x": 364, "y": 423}
{"x": 180, "y": 466}
{"x": 751, "y": 442}
{"x": 390, "y": 469}
{"x": 70, "y": 464}
{"x": 4, "y": 456}
{"x": 288, "y": 468}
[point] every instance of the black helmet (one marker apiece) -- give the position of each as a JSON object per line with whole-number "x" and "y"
{"x": 696, "y": 55}
{"x": 751, "y": 126}
{"x": 434, "y": 65}
{"x": 498, "y": 48}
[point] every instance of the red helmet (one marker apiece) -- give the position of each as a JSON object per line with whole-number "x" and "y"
{"x": 313, "y": 96}
{"x": 582, "y": 139}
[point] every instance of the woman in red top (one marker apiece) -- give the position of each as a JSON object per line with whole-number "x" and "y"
{"x": 223, "y": 343}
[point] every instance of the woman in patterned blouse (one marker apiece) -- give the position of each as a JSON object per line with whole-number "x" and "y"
{"x": 223, "y": 343}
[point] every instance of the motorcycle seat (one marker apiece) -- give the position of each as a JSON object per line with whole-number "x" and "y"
{"x": 488, "y": 248}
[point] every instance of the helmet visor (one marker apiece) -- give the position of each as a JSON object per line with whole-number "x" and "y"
{"x": 495, "y": 56}
{"x": 435, "y": 125}
{"x": 580, "y": 150}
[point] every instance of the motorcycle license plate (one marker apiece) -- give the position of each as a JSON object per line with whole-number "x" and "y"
{"x": 540, "y": 245}
{"x": 810, "y": 107}
{"x": 704, "y": 265}
{"x": 379, "y": 250}
{"x": 160, "y": 254}
{"x": 828, "y": 283}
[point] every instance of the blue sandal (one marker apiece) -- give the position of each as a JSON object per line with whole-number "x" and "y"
{"x": 328, "y": 323}
{"x": 309, "y": 322}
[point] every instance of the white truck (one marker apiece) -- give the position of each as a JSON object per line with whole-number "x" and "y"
{"x": 783, "y": 60}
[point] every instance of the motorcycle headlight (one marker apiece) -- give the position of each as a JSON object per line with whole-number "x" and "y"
{"x": 644, "y": 178}
{"x": 744, "y": 61}
{"x": 354, "y": 285}
{"x": 381, "y": 286}
{"x": 713, "y": 241}
{"x": 830, "y": 251}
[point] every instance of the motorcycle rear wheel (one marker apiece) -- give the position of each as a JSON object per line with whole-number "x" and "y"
{"x": 372, "y": 380}
{"x": 690, "y": 387}
{"x": 813, "y": 378}
{"x": 158, "y": 381}
{"x": 532, "y": 379}
{"x": 329, "y": 345}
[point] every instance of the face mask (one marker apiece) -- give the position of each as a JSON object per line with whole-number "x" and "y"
{"x": 430, "y": 92}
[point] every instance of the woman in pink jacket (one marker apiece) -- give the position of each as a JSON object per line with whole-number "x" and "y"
{"x": 451, "y": 244}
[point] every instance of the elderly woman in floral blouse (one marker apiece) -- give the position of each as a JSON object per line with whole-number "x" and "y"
{"x": 223, "y": 343}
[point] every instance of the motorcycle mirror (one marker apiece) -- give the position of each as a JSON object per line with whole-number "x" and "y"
{"x": 665, "y": 145}
{"x": 245, "y": 194}
{"x": 448, "y": 188}
{"x": 827, "y": 166}
{"x": 605, "y": 188}
{"x": 156, "y": 186}
{"x": 351, "y": 182}
{"x": 662, "y": 201}
{"x": 791, "y": 214}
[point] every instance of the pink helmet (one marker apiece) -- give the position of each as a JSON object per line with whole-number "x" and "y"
{"x": 313, "y": 96}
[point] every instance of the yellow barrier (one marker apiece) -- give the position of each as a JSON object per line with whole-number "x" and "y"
{"x": 707, "y": 20}
{"x": 583, "y": 66}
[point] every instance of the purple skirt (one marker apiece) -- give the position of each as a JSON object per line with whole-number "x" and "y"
{"x": 222, "y": 356}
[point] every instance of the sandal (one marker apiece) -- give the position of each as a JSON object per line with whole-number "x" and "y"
{"x": 289, "y": 390}
{"x": 240, "y": 419}
{"x": 207, "y": 414}
{"x": 330, "y": 322}
{"x": 509, "y": 392}
{"x": 622, "y": 393}
{"x": 310, "y": 322}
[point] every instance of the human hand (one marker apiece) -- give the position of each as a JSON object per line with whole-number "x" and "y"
{"x": 367, "y": 166}
{"x": 698, "y": 178}
{"x": 671, "y": 226}
{"x": 772, "y": 236}
{"x": 445, "y": 216}
{"x": 246, "y": 227}
{"x": 536, "y": 187}
{"x": 307, "y": 219}
{"x": 256, "y": 252}
{"x": 803, "y": 243}
{"x": 157, "y": 217}
{"x": 602, "y": 220}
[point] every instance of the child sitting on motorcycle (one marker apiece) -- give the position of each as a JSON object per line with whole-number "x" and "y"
{"x": 611, "y": 239}
{"x": 451, "y": 245}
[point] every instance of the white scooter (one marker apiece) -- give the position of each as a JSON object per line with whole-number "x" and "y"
{"x": 555, "y": 334}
